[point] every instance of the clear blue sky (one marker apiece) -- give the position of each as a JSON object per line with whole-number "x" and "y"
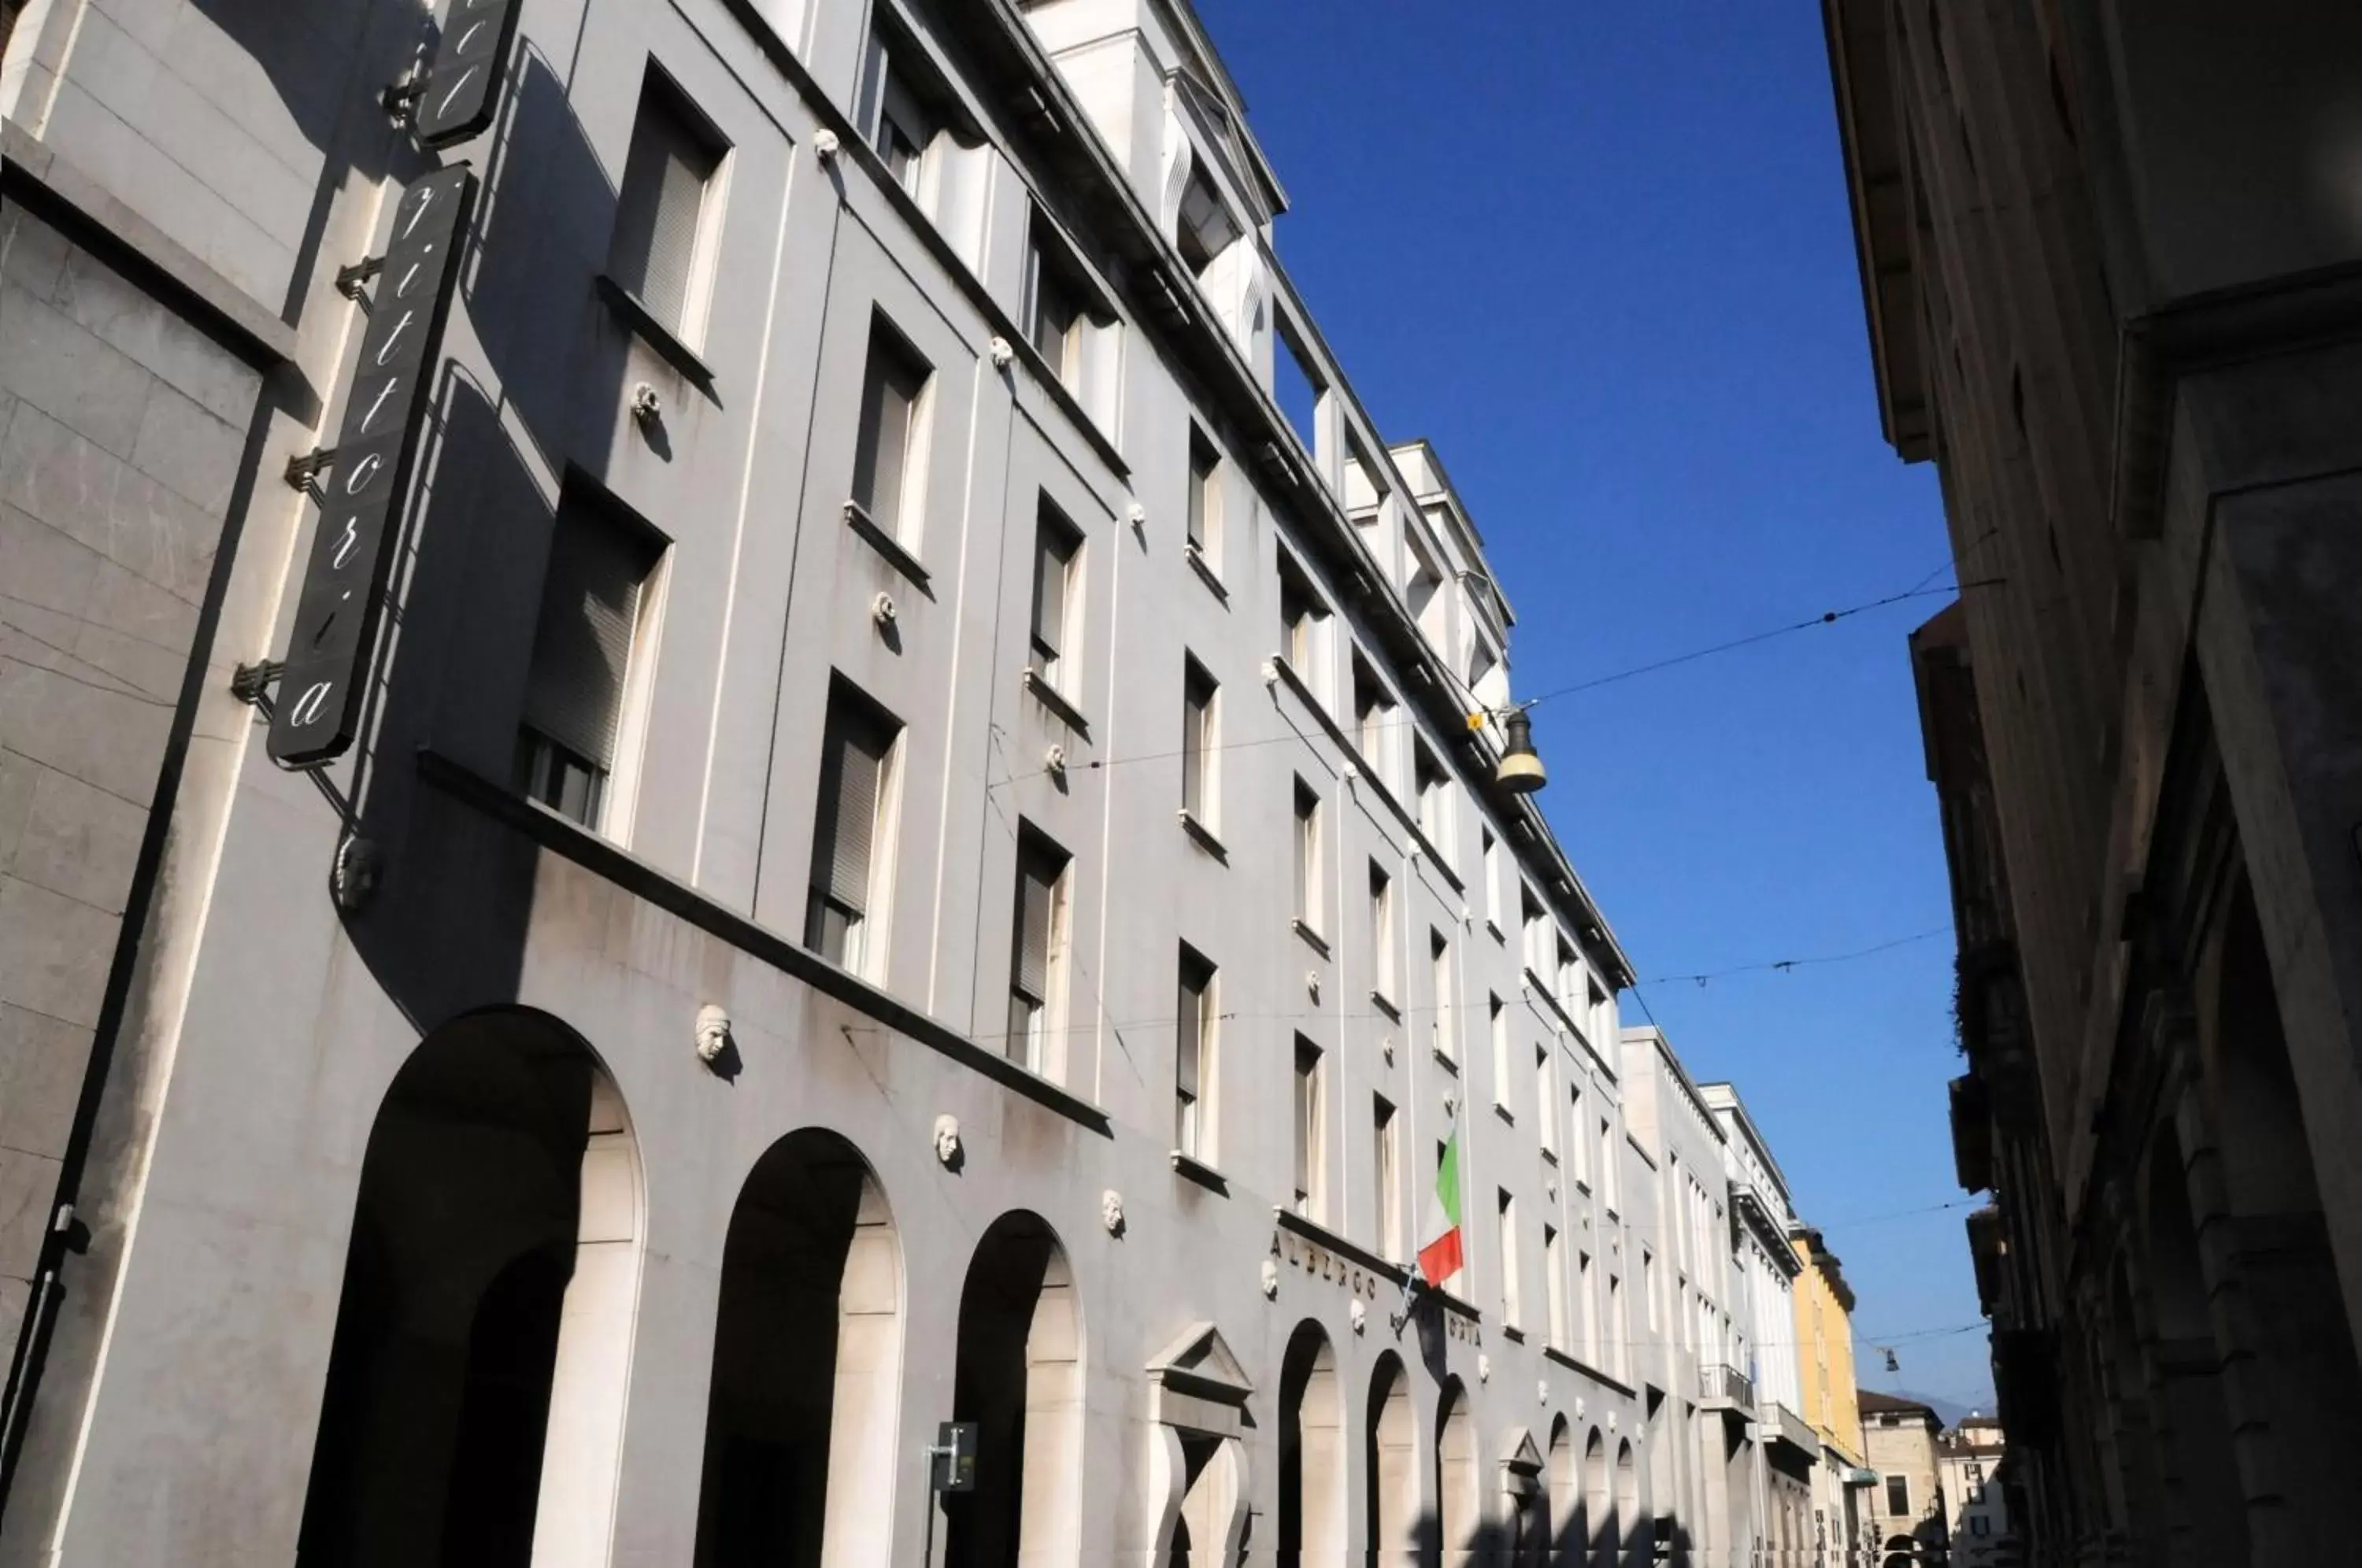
{"x": 1600, "y": 256}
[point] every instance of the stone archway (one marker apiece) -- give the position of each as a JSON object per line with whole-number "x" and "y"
{"x": 1390, "y": 1442}
{"x": 1568, "y": 1531}
{"x": 1019, "y": 1376}
{"x": 801, "y": 1420}
{"x": 1311, "y": 1453}
{"x": 1632, "y": 1535}
{"x": 1598, "y": 1506}
{"x": 1458, "y": 1509}
{"x": 2205, "y": 1509}
{"x": 474, "y": 1407}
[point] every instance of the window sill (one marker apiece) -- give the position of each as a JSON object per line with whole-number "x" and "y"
{"x": 1550, "y": 1155}
{"x": 1514, "y": 1334}
{"x": 1203, "y": 835}
{"x": 635, "y": 313}
{"x": 1191, "y": 1168}
{"x": 1498, "y": 935}
{"x": 1566, "y": 1360}
{"x": 1445, "y": 1060}
{"x": 858, "y": 518}
{"x": 1505, "y": 1113}
{"x": 1197, "y": 560}
{"x": 1050, "y": 698}
{"x": 1313, "y": 939}
{"x": 1380, "y": 1000}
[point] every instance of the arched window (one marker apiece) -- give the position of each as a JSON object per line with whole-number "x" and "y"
{"x": 1311, "y": 1454}
{"x": 1388, "y": 1446}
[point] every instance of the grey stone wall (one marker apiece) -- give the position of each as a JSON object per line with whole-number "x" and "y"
{"x": 121, "y": 427}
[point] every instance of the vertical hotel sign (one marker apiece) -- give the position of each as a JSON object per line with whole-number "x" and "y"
{"x": 352, "y": 550}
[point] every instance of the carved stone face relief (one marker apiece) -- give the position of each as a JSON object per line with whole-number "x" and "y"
{"x": 1360, "y": 1316}
{"x": 947, "y": 1140}
{"x": 712, "y": 1033}
{"x": 1271, "y": 1280}
{"x": 1111, "y": 1211}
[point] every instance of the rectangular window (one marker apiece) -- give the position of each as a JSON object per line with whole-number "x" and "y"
{"x": 1545, "y": 1099}
{"x": 1620, "y": 1330}
{"x": 1308, "y": 856}
{"x": 1898, "y": 1496}
{"x": 1434, "y": 794}
{"x": 1200, "y": 750}
{"x": 1537, "y": 934}
{"x": 1057, "y": 555}
{"x": 902, "y": 125}
{"x": 1384, "y": 1150}
{"x": 1381, "y": 934}
{"x": 1300, "y": 616}
{"x": 1205, "y": 498}
{"x": 1648, "y": 1286}
{"x": 1606, "y": 1184}
{"x": 1055, "y": 318}
{"x": 1438, "y": 968}
{"x": 1555, "y": 1285}
{"x": 1037, "y": 947}
{"x": 1193, "y": 1056}
{"x": 1308, "y": 1151}
{"x": 855, "y": 750}
{"x": 594, "y": 608}
{"x": 1510, "y": 1306}
{"x": 1582, "y": 1145}
{"x": 886, "y": 443}
{"x": 1492, "y": 875}
{"x": 659, "y": 242}
{"x": 1372, "y": 717}
{"x": 1584, "y": 1305}
{"x": 1497, "y": 1028}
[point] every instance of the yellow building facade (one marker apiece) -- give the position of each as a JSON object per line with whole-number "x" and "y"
{"x": 1832, "y": 1406}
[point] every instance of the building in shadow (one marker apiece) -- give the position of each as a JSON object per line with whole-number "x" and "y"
{"x": 2112, "y": 268}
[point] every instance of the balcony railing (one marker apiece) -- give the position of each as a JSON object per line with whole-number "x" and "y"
{"x": 1726, "y": 1386}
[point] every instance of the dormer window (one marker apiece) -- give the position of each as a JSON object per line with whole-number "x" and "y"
{"x": 1207, "y": 228}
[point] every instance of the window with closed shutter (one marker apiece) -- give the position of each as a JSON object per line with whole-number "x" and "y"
{"x": 856, "y": 746}
{"x": 1193, "y": 1045}
{"x": 1057, "y": 546}
{"x": 599, "y": 568}
{"x": 1196, "y": 742}
{"x": 1308, "y": 856}
{"x": 659, "y": 216}
{"x": 1204, "y": 502}
{"x": 1035, "y": 944}
{"x": 890, "y": 388}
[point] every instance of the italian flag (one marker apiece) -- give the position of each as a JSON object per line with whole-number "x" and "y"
{"x": 1441, "y": 1258}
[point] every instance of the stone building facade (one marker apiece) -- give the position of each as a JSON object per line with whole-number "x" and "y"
{"x": 2110, "y": 257}
{"x": 1907, "y": 1504}
{"x": 907, "y": 849}
{"x": 1969, "y": 1460}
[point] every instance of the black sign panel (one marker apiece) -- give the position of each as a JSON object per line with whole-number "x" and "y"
{"x": 352, "y": 552}
{"x": 459, "y": 99}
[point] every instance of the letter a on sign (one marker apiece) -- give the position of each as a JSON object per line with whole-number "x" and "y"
{"x": 352, "y": 545}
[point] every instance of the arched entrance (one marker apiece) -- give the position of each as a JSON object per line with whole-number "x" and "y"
{"x": 799, "y": 1422}
{"x": 1567, "y": 1530}
{"x": 1389, "y": 1443}
{"x": 1019, "y": 1378}
{"x": 1311, "y": 1454}
{"x": 1457, "y": 1503}
{"x": 1598, "y": 1509}
{"x": 1632, "y": 1534}
{"x": 473, "y": 1413}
